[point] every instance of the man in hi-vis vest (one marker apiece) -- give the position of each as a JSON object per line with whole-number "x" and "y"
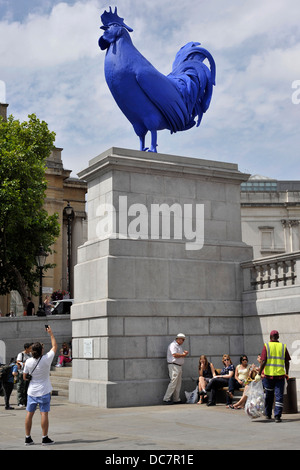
{"x": 275, "y": 364}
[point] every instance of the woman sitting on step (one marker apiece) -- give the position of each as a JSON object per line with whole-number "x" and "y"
{"x": 241, "y": 403}
{"x": 219, "y": 381}
{"x": 65, "y": 355}
{"x": 242, "y": 373}
{"x": 206, "y": 373}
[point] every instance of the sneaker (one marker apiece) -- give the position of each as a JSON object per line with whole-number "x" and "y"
{"x": 46, "y": 441}
{"x": 28, "y": 441}
{"x": 278, "y": 419}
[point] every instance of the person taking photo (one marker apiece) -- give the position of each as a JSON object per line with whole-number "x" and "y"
{"x": 37, "y": 372}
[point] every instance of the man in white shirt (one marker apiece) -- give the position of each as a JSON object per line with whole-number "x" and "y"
{"x": 175, "y": 358}
{"x": 39, "y": 390}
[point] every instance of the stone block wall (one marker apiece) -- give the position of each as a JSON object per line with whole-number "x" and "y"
{"x": 16, "y": 331}
{"x": 133, "y": 295}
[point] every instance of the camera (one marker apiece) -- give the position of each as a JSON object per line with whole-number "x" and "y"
{"x": 28, "y": 377}
{"x": 46, "y": 327}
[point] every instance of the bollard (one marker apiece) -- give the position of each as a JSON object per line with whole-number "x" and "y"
{"x": 290, "y": 404}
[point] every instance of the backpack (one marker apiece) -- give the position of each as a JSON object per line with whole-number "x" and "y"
{"x": 4, "y": 372}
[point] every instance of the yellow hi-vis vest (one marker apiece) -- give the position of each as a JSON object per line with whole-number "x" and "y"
{"x": 275, "y": 365}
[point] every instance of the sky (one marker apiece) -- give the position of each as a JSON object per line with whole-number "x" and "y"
{"x": 51, "y": 65}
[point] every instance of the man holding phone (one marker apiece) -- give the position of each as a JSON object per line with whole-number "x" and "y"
{"x": 175, "y": 359}
{"x": 37, "y": 371}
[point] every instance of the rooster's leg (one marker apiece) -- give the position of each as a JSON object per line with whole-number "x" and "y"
{"x": 153, "y": 142}
{"x": 142, "y": 143}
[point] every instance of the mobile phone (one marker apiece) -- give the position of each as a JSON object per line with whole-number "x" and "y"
{"x": 46, "y": 327}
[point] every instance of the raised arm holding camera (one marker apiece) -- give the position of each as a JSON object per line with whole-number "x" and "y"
{"x": 37, "y": 371}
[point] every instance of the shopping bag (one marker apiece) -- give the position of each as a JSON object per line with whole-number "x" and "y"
{"x": 192, "y": 397}
{"x": 255, "y": 404}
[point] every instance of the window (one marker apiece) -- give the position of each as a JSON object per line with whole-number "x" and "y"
{"x": 267, "y": 238}
{"x": 259, "y": 186}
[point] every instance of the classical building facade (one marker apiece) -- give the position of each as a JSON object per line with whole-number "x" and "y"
{"x": 270, "y": 215}
{"x": 64, "y": 192}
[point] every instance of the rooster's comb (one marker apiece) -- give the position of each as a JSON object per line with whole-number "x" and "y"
{"x": 108, "y": 18}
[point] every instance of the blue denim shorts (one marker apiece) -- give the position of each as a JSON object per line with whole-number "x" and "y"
{"x": 43, "y": 402}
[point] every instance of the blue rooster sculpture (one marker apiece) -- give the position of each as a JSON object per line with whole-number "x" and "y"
{"x": 150, "y": 100}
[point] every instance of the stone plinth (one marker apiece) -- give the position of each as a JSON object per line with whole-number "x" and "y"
{"x": 163, "y": 256}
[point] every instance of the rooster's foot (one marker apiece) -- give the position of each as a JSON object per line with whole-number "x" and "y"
{"x": 146, "y": 149}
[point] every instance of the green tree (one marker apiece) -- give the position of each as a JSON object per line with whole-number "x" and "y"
{"x": 24, "y": 224}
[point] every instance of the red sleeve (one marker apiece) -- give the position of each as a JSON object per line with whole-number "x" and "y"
{"x": 264, "y": 354}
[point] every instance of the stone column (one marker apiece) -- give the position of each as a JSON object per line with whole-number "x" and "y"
{"x": 150, "y": 269}
{"x": 294, "y": 234}
{"x": 285, "y": 226}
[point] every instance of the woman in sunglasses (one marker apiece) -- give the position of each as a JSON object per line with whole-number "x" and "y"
{"x": 219, "y": 381}
{"x": 240, "y": 378}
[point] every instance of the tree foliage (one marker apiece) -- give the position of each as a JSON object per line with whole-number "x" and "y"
{"x": 24, "y": 224}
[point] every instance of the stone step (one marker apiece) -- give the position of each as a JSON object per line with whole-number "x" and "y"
{"x": 61, "y": 371}
{"x": 60, "y": 377}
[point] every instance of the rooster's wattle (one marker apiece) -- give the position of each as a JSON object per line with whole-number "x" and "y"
{"x": 150, "y": 100}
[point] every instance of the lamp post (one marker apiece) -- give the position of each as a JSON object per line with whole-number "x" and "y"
{"x": 69, "y": 215}
{"x": 40, "y": 261}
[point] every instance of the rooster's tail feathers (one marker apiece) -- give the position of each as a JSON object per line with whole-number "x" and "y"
{"x": 194, "y": 53}
{"x": 193, "y": 78}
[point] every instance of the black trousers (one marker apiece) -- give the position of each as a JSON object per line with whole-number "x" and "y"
{"x": 7, "y": 388}
{"x": 214, "y": 385}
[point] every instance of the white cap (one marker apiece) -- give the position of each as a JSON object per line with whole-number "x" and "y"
{"x": 180, "y": 335}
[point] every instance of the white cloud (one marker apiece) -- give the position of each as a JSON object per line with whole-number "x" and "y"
{"x": 52, "y": 66}
{"x": 68, "y": 33}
